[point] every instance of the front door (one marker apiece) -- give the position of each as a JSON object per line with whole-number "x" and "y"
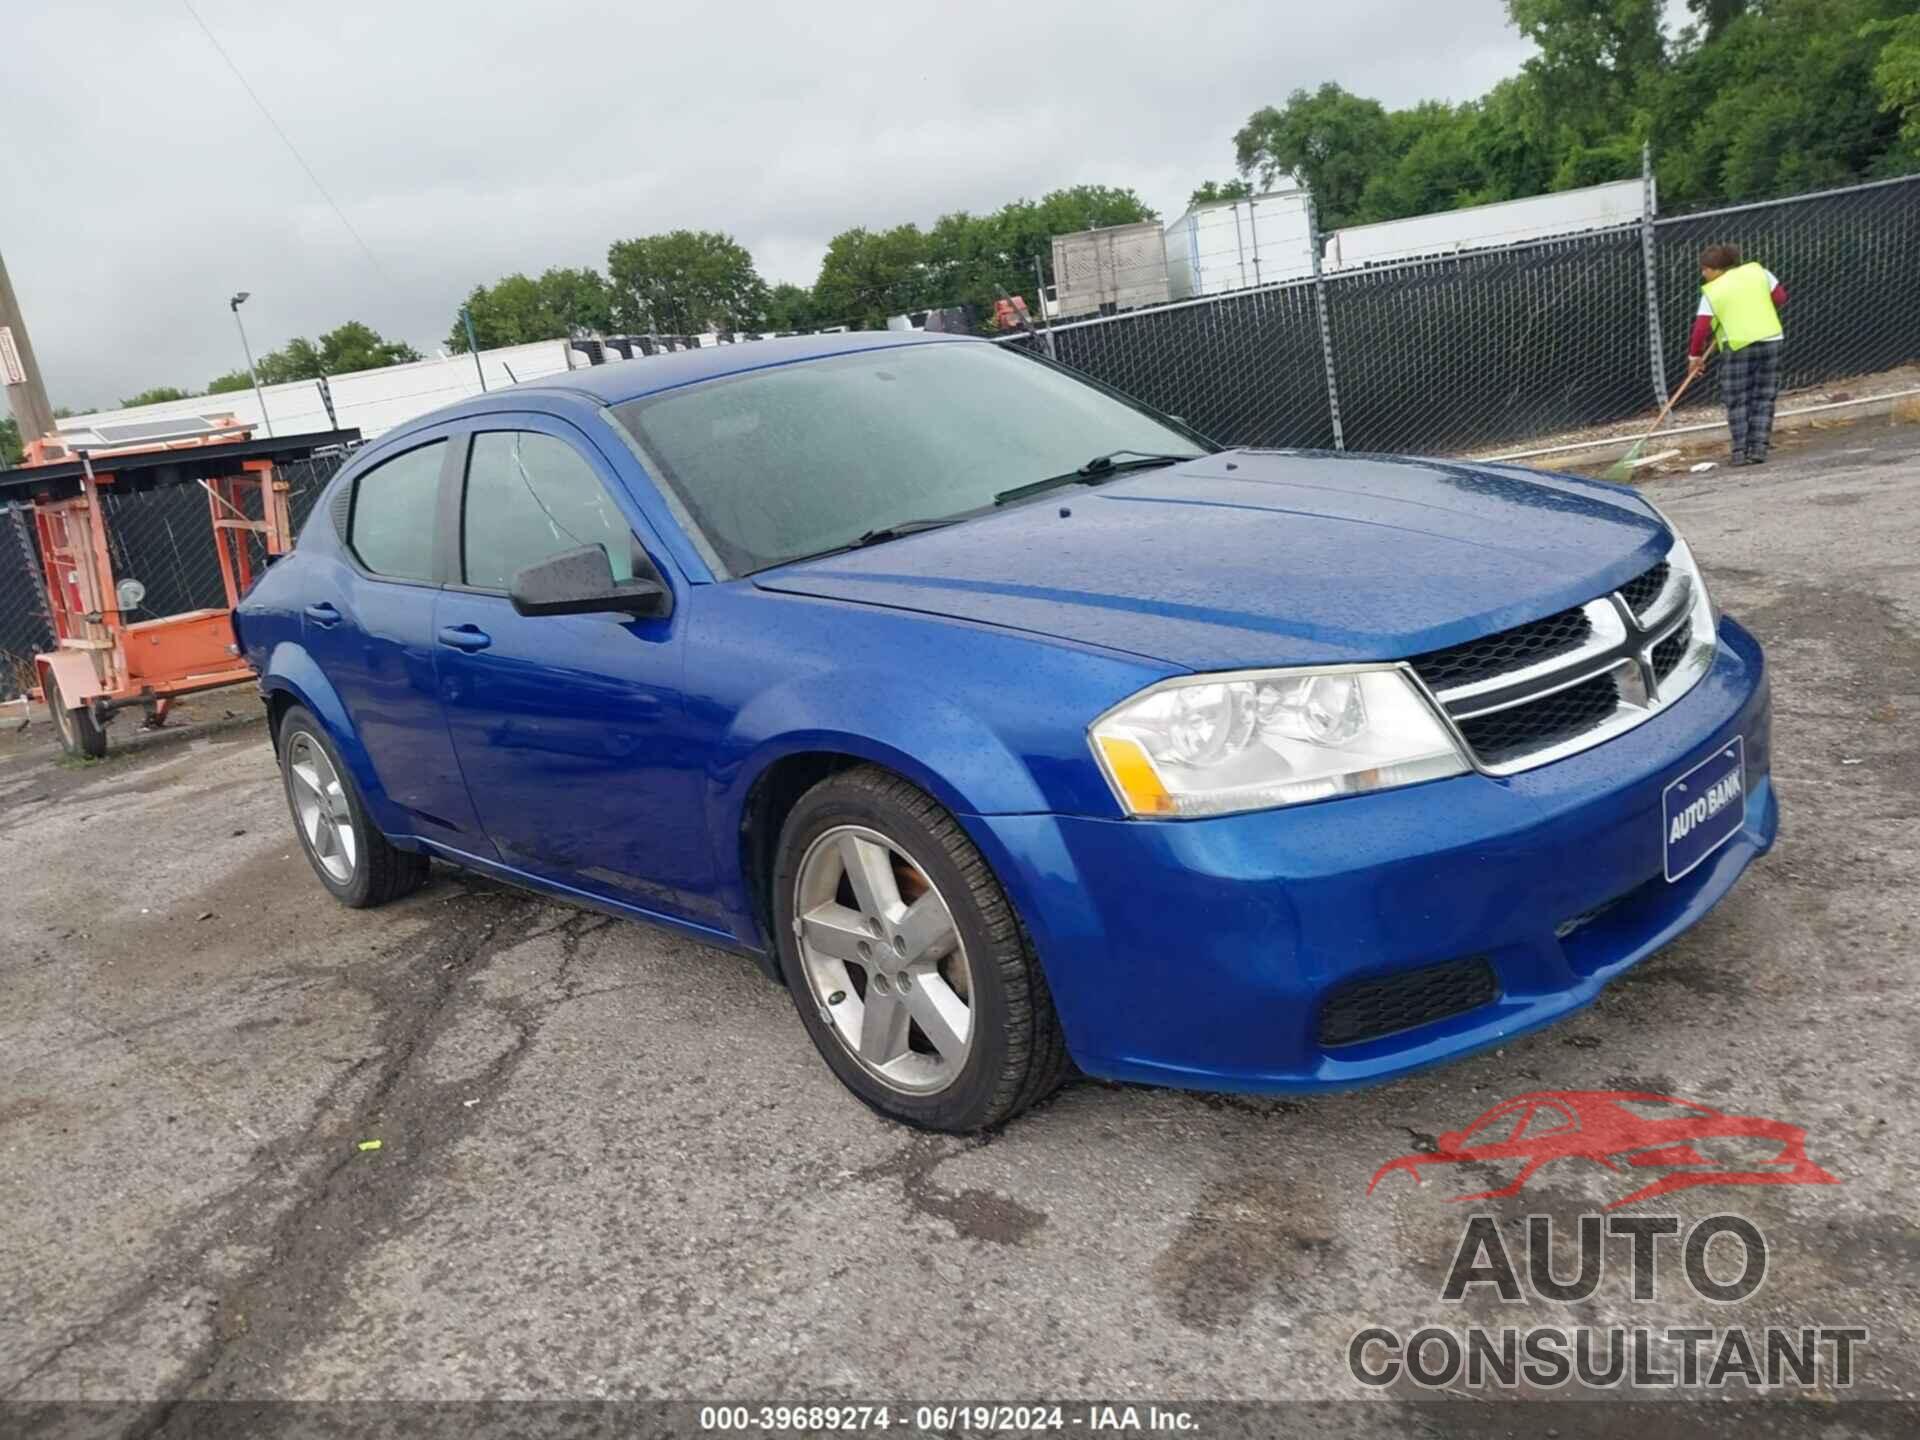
{"x": 570, "y": 729}
{"x": 369, "y": 627}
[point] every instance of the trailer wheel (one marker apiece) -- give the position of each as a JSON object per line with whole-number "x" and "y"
{"x": 80, "y": 733}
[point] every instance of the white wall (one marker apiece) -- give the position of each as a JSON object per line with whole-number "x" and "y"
{"x": 372, "y": 401}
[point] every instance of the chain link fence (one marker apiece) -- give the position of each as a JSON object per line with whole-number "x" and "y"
{"x": 1850, "y": 260}
{"x": 162, "y": 537}
{"x": 1500, "y": 347}
{"x": 1261, "y": 377}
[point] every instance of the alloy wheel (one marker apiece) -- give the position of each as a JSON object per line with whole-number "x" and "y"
{"x": 883, "y": 960}
{"x": 320, "y": 805}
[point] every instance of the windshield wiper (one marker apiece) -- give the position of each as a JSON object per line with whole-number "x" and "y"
{"x": 1100, "y": 467}
{"x": 899, "y": 528}
{"x": 877, "y": 536}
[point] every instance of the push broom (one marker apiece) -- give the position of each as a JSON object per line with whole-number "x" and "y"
{"x": 1622, "y": 469}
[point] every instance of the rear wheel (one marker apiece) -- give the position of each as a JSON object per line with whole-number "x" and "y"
{"x": 80, "y": 733}
{"x": 358, "y": 865}
{"x": 906, "y": 961}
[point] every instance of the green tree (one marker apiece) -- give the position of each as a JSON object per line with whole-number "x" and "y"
{"x": 868, "y": 275}
{"x": 791, "y": 307}
{"x": 300, "y": 360}
{"x": 683, "y": 283}
{"x": 1783, "y": 100}
{"x": 354, "y": 346}
{"x": 11, "y": 451}
{"x": 158, "y": 395}
{"x": 1594, "y": 55}
{"x": 1713, "y": 16}
{"x": 1896, "y": 74}
{"x": 1329, "y": 140}
{"x": 516, "y": 310}
{"x": 1752, "y": 98}
{"x": 1215, "y": 191}
{"x": 341, "y": 351}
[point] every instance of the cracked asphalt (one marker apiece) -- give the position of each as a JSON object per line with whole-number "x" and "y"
{"x": 611, "y": 1165}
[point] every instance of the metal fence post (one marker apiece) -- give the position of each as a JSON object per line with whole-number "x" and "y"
{"x": 1253, "y": 233}
{"x": 1326, "y": 330}
{"x": 1648, "y": 255}
{"x": 1046, "y": 315}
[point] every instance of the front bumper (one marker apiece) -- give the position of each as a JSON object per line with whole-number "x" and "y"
{"x": 1198, "y": 953}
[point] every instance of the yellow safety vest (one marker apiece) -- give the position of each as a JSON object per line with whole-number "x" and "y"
{"x": 1742, "y": 304}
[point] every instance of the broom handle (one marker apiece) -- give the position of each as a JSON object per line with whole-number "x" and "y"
{"x": 1675, "y": 400}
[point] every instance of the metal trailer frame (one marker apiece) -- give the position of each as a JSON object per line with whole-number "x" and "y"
{"x": 102, "y": 662}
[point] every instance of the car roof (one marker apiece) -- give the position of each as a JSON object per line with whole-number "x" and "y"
{"x": 629, "y": 379}
{"x": 597, "y": 386}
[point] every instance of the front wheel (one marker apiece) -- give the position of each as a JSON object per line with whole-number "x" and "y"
{"x": 80, "y": 733}
{"x": 359, "y": 866}
{"x": 906, "y": 961}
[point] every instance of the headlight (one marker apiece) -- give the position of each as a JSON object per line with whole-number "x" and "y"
{"x": 1216, "y": 744}
{"x": 1706, "y": 619}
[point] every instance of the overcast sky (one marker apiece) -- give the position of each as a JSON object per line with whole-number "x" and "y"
{"x": 466, "y": 140}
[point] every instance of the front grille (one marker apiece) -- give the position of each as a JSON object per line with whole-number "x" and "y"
{"x": 1368, "y": 1009}
{"x": 1669, "y": 652}
{"x": 1556, "y": 686}
{"x": 1533, "y": 725}
{"x": 1491, "y": 655}
{"x": 1641, "y": 591}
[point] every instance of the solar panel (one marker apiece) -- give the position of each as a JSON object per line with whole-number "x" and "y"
{"x": 179, "y": 427}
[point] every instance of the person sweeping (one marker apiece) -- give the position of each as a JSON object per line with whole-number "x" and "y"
{"x": 1740, "y": 313}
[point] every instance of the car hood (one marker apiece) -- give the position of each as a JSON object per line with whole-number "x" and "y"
{"x": 1250, "y": 558}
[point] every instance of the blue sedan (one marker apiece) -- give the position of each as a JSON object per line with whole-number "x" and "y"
{"x": 1013, "y": 726}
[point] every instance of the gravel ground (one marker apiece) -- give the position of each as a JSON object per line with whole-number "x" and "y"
{"x": 612, "y": 1166}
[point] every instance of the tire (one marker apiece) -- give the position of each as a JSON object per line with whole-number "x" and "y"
{"x": 359, "y": 866}
{"x": 1013, "y": 1053}
{"x": 80, "y": 734}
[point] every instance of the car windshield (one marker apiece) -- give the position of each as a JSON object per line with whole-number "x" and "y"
{"x": 800, "y": 459}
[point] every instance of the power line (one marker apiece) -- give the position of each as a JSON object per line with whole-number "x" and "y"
{"x": 285, "y": 139}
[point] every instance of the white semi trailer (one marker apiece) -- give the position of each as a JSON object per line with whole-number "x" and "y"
{"x": 1234, "y": 244}
{"x": 1481, "y": 227}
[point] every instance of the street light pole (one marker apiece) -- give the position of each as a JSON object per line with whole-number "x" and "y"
{"x": 234, "y": 305}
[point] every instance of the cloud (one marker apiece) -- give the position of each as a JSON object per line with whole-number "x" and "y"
{"x": 465, "y": 141}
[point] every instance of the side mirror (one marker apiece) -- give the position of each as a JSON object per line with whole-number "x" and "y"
{"x": 580, "y": 582}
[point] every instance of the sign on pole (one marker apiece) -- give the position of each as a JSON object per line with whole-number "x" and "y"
{"x": 10, "y": 367}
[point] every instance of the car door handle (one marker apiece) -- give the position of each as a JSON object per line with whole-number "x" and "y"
{"x": 323, "y": 614}
{"x": 465, "y": 637}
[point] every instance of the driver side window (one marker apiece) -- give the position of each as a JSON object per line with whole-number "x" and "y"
{"x": 530, "y": 497}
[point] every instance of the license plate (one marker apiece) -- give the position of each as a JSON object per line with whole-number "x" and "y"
{"x": 1705, "y": 808}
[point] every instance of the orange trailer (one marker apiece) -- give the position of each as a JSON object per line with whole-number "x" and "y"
{"x": 102, "y": 662}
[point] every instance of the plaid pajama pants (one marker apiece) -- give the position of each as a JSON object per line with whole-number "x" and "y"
{"x": 1749, "y": 384}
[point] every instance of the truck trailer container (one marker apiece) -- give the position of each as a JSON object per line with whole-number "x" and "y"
{"x": 1234, "y": 244}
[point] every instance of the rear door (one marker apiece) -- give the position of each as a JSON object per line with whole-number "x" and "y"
{"x": 369, "y": 627}
{"x": 570, "y": 729}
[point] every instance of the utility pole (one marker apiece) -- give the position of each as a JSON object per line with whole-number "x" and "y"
{"x": 26, "y": 393}
{"x": 473, "y": 347}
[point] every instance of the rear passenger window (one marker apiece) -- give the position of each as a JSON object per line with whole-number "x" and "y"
{"x": 530, "y": 497}
{"x": 393, "y": 514}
